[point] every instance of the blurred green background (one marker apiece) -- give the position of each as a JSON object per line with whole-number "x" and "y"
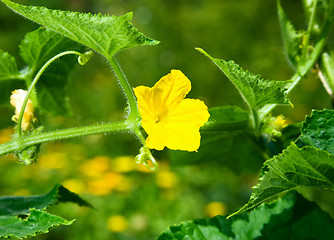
{"x": 130, "y": 202}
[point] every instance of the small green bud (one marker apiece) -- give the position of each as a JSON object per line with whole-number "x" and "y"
{"x": 28, "y": 155}
{"x": 84, "y": 58}
{"x": 144, "y": 156}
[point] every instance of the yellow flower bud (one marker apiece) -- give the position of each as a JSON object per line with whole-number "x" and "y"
{"x": 16, "y": 100}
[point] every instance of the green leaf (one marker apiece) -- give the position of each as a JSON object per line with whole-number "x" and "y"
{"x": 26, "y": 216}
{"x": 10, "y": 77}
{"x": 292, "y": 40}
{"x": 103, "y": 33}
{"x": 8, "y": 68}
{"x": 36, "y": 49}
{"x": 295, "y": 167}
{"x": 225, "y": 138}
{"x": 21, "y": 205}
{"x": 226, "y": 118}
{"x": 256, "y": 91}
{"x": 318, "y": 131}
{"x": 37, "y": 222}
{"x": 291, "y": 217}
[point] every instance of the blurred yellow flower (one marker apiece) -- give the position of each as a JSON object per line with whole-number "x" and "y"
{"x": 74, "y": 185}
{"x": 16, "y": 100}
{"x": 166, "y": 179}
{"x": 95, "y": 167}
{"x": 124, "y": 164}
{"x": 170, "y": 119}
{"x": 54, "y": 160}
{"x": 215, "y": 208}
{"x": 280, "y": 122}
{"x": 105, "y": 183}
{"x": 117, "y": 223}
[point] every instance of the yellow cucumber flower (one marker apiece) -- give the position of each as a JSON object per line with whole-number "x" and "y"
{"x": 16, "y": 100}
{"x": 170, "y": 119}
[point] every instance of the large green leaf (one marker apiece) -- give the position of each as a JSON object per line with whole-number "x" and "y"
{"x": 226, "y": 118}
{"x": 256, "y": 91}
{"x": 105, "y": 34}
{"x": 292, "y": 39}
{"x": 226, "y": 139}
{"x": 37, "y": 222}
{"x": 310, "y": 163}
{"x": 21, "y": 205}
{"x": 8, "y": 68}
{"x": 318, "y": 131}
{"x": 36, "y": 49}
{"x": 295, "y": 167}
{"x": 9, "y": 76}
{"x": 291, "y": 217}
{"x": 39, "y": 46}
{"x": 26, "y": 216}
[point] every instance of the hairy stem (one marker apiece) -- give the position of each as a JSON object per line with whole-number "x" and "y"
{"x": 21, "y": 143}
{"x": 305, "y": 68}
{"x": 133, "y": 111}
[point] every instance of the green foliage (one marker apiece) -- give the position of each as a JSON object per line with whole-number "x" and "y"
{"x": 8, "y": 75}
{"x": 36, "y": 49}
{"x": 295, "y": 167}
{"x": 26, "y": 216}
{"x": 308, "y": 166}
{"x": 318, "y": 131}
{"x": 105, "y": 34}
{"x": 291, "y": 38}
{"x": 8, "y": 68}
{"x": 256, "y": 91}
{"x": 34, "y": 223}
{"x": 227, "y": 138}
{"x": 235, "y": 139}
{"x": 228, "y": 118}
{"x": 281, "y": 219}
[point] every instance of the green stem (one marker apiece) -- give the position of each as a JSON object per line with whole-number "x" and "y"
{"x": 32, "y": 85}
{"x": 305, "y": 68}
{"x": 21, "y": 143}
{"x": 133, "y": 111}
{"x": 308, "y": 32}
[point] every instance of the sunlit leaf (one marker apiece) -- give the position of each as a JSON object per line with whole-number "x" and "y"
{"x": 282, "y": 219}
{"x": 34, "y": 223}
{"x": 26, "y": 216}
{"x": 8, "y": 68}
{"x": 227, "y": 118}
{"x": 36, "y": 49}
{"x": 9, "y": 76}
{"x": 105, "y": 34}
{"x": 318, "y": 131}
{"x": 256, "y": 91}
{"x": 225, "y": 138}
{"x": 19, "y": 205}
{"x": 295, "y": 167}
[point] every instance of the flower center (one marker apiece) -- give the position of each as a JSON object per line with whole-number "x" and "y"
{"x": 156, "y": 119}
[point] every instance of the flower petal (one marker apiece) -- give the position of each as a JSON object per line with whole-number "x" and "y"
{"x": 172, "y": 89}
{"x": 179, "y": 130}
{"x": 168, "y": 92}
{"x": 145, "y": 102}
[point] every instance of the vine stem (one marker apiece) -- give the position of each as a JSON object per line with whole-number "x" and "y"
{"x": 309, "y": 29}
{"x": 302, "y": 70}
{"x": 133, "y": 117}
{"x": 21, "y": 143}
{"x": 130, "y": 96}
{"x": 18, "y": 130}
